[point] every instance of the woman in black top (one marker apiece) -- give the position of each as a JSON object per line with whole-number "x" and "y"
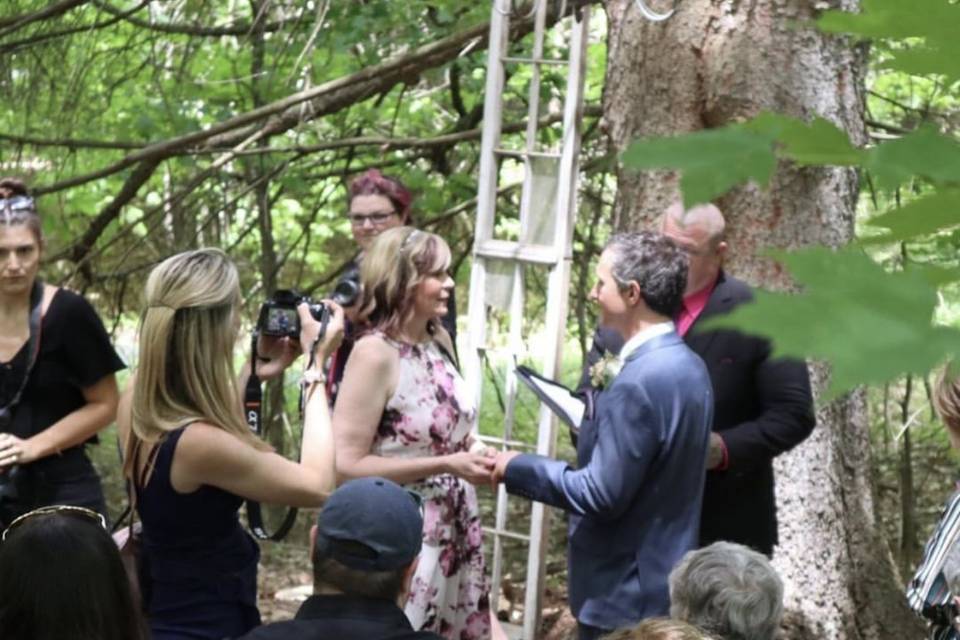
{"x": 59, "y": 390}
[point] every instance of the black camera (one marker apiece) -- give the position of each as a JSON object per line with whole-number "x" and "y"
{"x": 347, "y": 290}
{"x": 279, "y": 317}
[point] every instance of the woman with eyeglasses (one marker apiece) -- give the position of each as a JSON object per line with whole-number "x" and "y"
{"x": 61, "y": 578}
{"x": 57, "y": 374}
{"x": 376, "y": 203}
{"x": 192, "y": 458}
{"x": 404, "y": 413}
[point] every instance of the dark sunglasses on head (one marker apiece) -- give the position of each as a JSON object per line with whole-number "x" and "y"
{"x": 80, "y": 512}
{"x": 17, "y": 203}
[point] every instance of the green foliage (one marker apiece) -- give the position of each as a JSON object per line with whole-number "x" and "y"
{"x": 848, "y": 301}
{"x": 712, "y": 161}
{"x": 927, "y": 27}
{"x": 871, "y": 322}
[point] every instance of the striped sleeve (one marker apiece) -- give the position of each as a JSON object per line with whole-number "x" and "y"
{"x": 927, "y": 593}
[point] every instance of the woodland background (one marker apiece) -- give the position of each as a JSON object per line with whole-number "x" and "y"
{"x": 826, "y": 130}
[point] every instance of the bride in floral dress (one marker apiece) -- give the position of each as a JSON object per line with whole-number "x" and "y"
{"x": 404, "y": 413}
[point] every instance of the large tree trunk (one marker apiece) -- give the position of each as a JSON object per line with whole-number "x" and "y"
{"x": 719, "y": 61}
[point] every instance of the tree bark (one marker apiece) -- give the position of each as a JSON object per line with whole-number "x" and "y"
{"x": 713, "y": 63}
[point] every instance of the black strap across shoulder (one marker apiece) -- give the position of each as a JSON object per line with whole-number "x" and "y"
{"x": 252, "y": 406}
{"x": 33, "y": 343}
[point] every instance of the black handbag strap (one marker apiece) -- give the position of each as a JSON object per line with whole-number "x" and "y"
{"x": 33, "y": 342}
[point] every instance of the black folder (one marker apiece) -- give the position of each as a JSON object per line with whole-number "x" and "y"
{"x": 570, "y": 406}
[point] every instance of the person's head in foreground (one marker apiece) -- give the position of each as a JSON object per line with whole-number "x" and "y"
{"x": 377, "y": 203}
{"x": 405, "y": 280}
{"x": 61, "y": 578}
{"x": 366, "y": 541}
{"x": 728, "y": 590}
{"x": 701, "y": 232}
{"x": 641, "y": 276}
{"x": 658, "y": 629}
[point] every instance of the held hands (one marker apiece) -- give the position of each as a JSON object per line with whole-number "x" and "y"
{"x": 483, "y": 467}
{"x": 475, "y": 468}
{"x": 500, "y": 466}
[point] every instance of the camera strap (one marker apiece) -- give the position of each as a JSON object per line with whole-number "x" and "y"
{"x": 33, "y": 343}
{"x": 253, "y": 406}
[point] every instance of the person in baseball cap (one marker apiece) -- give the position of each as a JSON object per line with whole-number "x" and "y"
{"x": 364, "y": 549}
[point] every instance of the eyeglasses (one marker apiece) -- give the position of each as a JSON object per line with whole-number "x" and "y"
{"x": 17, "y": 203}
{"x": 65, "y": 509}
{"x": 376, "y": 219}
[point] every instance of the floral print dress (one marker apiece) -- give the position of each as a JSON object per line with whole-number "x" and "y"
{"x": 432, "y": 414}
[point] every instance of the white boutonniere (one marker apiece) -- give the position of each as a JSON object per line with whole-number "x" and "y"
{"x": 604, "y": 371}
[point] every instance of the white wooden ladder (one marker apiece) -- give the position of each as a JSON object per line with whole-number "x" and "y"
{"x": 538, "y": 245}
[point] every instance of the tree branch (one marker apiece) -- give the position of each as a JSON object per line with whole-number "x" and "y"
{"x": 12, "y": 23}
{"x": 236, "y": 29}
{"x": 443, "y": 140}
{"x": 97, "y": 225}
{"x": 286, "y": 113}
{"x": 70, "y": 143}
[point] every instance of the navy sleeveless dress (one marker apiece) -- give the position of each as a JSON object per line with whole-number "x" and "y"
{"x": 199, "y": 575}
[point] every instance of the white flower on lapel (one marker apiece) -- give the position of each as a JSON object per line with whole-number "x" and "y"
{"x": 604, "y": 371}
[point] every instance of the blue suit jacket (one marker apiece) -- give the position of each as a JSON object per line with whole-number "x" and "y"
{"x": 635, "y": 499}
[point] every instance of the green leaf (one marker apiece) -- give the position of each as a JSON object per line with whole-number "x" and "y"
{"x": 895, "y": 19}
{"x": 924, "y": 61}
{"x": 920, "y": 217}
{"x": 712, "y": 161}
{"x": 817, "y": 143}
{"x": 924, "y": 152}
{"x": 870, "y": 325}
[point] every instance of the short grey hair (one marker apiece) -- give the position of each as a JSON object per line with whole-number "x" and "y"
{"x": 729, "y": 591}
{"x": 655, "y": 263}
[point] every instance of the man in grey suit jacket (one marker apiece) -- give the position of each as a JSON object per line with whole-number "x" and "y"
{"x": 635, "y": 498}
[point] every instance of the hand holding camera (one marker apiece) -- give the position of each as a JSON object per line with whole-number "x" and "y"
{"x": 323, "y": 333}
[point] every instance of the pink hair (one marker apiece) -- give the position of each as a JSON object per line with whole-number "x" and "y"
{"x": 374, "y": 183}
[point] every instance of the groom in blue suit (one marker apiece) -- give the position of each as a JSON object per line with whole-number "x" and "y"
{"x": 635, "y": 498}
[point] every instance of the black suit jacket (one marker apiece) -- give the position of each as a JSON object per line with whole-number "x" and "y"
{"x": 763, "y": 407}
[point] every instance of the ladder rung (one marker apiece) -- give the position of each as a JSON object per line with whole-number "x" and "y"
{"x": 507, "y": 534}
{"x": 513, "y": 153}
{"x": 551, "y": 61}
{"x": 506, "y": 250}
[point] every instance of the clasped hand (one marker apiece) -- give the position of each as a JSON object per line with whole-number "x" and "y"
{"x": 485, "y": 467}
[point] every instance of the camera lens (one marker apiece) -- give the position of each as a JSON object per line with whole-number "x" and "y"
{"x": 346, "y": 292}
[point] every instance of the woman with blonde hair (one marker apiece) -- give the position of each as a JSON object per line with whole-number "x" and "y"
{"x": 192, "y": 458}
{"x": 404, "y": 413}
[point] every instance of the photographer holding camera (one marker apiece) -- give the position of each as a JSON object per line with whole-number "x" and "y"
{"x": 377, "y": 203}
{"x": 57, "y": 382}
{"x": 192, "y": 458}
